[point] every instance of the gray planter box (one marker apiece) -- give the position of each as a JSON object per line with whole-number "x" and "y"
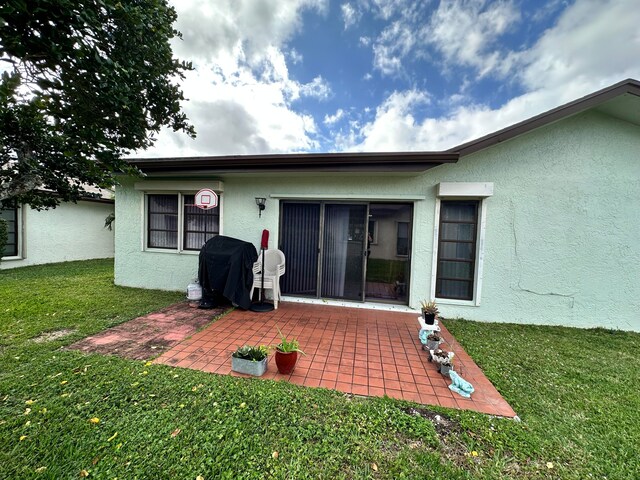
{"x": 249, "y": 367}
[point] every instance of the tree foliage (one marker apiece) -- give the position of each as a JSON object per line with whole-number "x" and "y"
{"x": 85, "y": 82}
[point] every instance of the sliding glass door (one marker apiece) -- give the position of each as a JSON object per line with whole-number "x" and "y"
{"x": 300, "y": 241}
{"x": 343, "y": 251}
{"x": 329, "y": 247}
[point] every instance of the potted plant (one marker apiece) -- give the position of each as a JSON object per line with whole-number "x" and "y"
{"x": 287, "y": 354}
{"x": 433, "y": 341}
{"x": 251, "y": 360}
{"x": 444, "y": 360}
{"x": 429, "y": 311}
{"x": 446, "y": 366}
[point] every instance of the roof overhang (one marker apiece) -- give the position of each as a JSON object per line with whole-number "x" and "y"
{"x": 409, "y": 162}
{"x": 621, "y": 100}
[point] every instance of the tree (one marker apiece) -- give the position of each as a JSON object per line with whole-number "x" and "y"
{"x": 85, "y": 82}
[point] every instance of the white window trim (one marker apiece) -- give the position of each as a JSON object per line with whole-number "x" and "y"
{"x": 20, "y": 232}
{"x": 469, "y": 190}
{"x": 180, "y": 248}
{"x": 479, "y": 266}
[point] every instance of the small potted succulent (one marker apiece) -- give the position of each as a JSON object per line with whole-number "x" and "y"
{"x": 251, "y": 360}
{"x": 433, "y": 341}
{"x": 287, "y": 354}
{"x": 444, "y": 360}
{"x": 446, "y": 366}
{"x": 429, "y": 312}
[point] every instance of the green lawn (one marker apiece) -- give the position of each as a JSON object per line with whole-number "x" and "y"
{"x": 580, "y": 417}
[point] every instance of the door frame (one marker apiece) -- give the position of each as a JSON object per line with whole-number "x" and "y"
{"x": 320, "y": 254}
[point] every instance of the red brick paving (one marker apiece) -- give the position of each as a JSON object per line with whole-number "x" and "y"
{"x": 352, "y": 350}
{"x": 146, "y": 337}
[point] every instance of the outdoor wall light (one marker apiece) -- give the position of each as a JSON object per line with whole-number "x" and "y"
{"x": 261, "y": 205}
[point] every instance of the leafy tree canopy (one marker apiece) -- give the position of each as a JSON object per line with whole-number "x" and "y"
{"x": 83, "y": 83}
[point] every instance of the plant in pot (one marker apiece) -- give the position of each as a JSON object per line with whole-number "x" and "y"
{"x": 429, "y": 312}
{"x": 287, "y": 354}
{"x": 251, "y": 360}
{"x": 444, "y": 360}
{"x": 433, "y": 341}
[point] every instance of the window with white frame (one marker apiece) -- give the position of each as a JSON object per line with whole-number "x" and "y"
{"x": 10, "y": 216}
{"x": 175, "y": 223}
{"x": 458, "y": 256}
{"x": 457, "y": 249}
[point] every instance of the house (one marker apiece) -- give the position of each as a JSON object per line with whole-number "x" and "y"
{"x": 536, "y": 223}
{"x": 71, "y": 231}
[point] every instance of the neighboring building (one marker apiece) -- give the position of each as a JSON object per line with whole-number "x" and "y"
{"x": 71, "y": 231}
{"x": 537, "y": 223}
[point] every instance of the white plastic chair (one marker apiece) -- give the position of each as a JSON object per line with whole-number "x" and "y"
{"x": 274, "y": 268}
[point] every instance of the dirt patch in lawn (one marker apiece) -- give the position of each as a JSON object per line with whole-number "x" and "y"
{"x": 54, "y": 335}
{"x": 148, "y": 336}
{"x": 448, "y": 431}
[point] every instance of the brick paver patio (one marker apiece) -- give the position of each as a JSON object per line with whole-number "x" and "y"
{"x": 352, "y": 350}
{"x": 146, "y": 337}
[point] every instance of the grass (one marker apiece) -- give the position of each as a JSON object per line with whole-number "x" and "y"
{"x": 386, "y": 271}
{"x": 580, "y": 416}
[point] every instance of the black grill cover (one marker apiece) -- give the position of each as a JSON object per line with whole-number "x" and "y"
{"x": 226, "y": 269}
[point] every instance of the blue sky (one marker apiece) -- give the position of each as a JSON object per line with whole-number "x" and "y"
{"x": 278, "y": 76}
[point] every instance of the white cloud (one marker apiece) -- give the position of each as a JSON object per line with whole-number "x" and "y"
{"x": 239, "y": 115}
{"x": 241, "y": 92}
{"x": 465, "y": 32}
{"x": 318, "y": 88}
{"x": 331, "y": 119}
{"x": 394, "y": 125}
{"x": 242, "y": 96}
{"x": 395, "y": 42}
{"x": 594, "y": 44}
{"x": 350, "y": 15}
{"x": 246, "y": 27}
{"x": 295, "y": 56}
{"x": 388, "y": 8}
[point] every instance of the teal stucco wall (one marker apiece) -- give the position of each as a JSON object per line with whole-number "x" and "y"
{"x": 562, "y": 231}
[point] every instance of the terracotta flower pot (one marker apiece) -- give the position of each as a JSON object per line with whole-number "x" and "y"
{"x": 286, "y": 362}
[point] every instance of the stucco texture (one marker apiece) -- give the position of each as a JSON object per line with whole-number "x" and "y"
{"x": 71, "y": 231}
{"x": 562, "y": 227}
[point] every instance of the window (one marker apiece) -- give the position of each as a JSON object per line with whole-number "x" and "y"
{"x": 199, "y": 225}
{"x": 457, "y": 249}
{"x": 373, "y": 232}
{"x": 402, "y": 239}
{"x": 162, "y": 222}
{"x": 175, "y": 223}
{"x": 10, "y": 215}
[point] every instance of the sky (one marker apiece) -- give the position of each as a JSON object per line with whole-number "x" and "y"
{"x": 284, "y": 76}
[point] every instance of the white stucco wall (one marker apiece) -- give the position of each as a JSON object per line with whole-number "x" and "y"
{"x": 388, "y": 228}
{"x": 562, "y": 227}
{"x": 68, "y": 232}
